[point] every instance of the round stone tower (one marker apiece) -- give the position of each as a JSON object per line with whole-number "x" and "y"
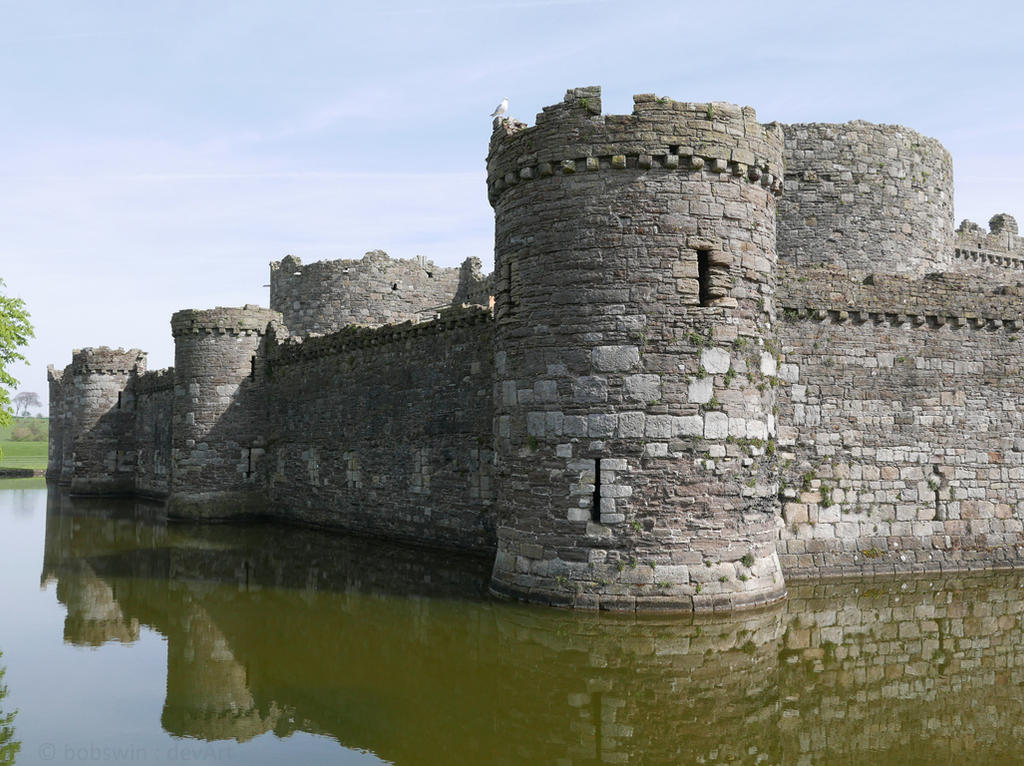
{"x": 866, "y": 197}
{"x": 219, "y": 411}
{"x": 635, "y": 356}
{"x": 97, "y": 452}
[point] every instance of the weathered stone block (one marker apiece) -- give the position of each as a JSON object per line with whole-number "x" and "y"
{"x": 688, "y": 425}
{"x": 574, "y": 425}
{"x": 553, "y": 423}
{"x": 615, "y": 358}
{"x": 631, "y": 424}
{"x": 700, "y": 390}
{"x": 716, "y": 425}
{"x": 715, "y": 360}
{"x": 642, "y": 388}
{"x": 601, "y": 424}
{"x": 659, "y": 426}
{"x": 656, "y": 449}
{"x": 545, "y": 391}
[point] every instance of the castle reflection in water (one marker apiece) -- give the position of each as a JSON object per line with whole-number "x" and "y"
{"x": 398, "y": 651}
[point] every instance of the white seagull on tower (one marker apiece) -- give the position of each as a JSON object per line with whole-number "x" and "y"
{"x": 501, "y": 108}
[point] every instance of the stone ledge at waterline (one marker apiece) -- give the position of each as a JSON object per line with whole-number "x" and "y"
{"x": 713, "y": 353}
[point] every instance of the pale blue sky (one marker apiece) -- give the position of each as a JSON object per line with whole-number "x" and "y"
{"x": 157, "y": 155}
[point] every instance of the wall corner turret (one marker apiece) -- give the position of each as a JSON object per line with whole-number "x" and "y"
{"x": 91, "y": 445}
{"x": 219, "y": 411}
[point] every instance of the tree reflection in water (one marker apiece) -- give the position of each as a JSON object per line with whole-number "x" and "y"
{"x": 9, "y": 746}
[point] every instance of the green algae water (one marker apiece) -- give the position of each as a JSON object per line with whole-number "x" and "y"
{"x": 128, "y": 639}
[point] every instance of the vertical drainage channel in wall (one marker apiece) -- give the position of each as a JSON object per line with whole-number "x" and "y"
{"x": 595, "y": 511}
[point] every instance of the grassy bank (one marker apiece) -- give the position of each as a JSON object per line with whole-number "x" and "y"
{"x": 23, "y": 443}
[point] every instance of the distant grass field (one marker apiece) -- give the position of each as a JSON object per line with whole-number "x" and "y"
{"x": 23, "y": 443}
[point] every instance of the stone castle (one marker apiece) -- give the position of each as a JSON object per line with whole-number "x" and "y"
{"x": 713, "y": 354}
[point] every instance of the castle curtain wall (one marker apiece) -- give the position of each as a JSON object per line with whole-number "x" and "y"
{"x": 154, "y": 404}
{"x": 902, "y": 445}
{"x": 386, "y": 431}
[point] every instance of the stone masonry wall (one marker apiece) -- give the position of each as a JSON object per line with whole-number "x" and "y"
{"x": 868, "y": 197}
{"x": 154, "y": 404}
{"x": 326, "y": 296}
{"x": 386, "y": 431}
{"x": 902, "y": 444}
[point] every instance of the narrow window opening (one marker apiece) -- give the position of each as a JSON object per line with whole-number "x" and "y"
{"x": 704, "y": 276}
{"x": 248, "y": 470}
{"x": 595, "y": 512}
{"x": 252, "y": 366}
{"x": 394, "y": 285}
{"x": 119, "y": 400}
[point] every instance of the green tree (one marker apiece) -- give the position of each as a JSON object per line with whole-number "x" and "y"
{"x": 9, "y": 746}
{"x": 15, "y": 330}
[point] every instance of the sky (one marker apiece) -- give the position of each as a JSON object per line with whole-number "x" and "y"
{"x": 158, "y": 155}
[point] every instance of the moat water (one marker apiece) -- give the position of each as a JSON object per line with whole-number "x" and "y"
{"x": 130, "y": 640}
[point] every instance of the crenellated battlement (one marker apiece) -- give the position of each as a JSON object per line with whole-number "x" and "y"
{"x": 573, "y": 137}
{"x": 936, "y": 300}
{"x": 154, "y": 381}
{"x": 54, "y": 375}
{"x": 107, "y": 361}
{"x": 296, "y": 349}
{"x": 246, "y": 320}
{"x": 978, "y": 251}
